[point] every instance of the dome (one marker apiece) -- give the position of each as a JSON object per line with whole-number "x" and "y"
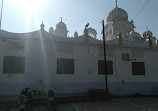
{"x": 135, "y": 34}
{"x": 51, "y": 30}
{"x": 76, "y": 34}
{"x": 61, "y": 29}
{"x": 61, "y": 25}
{"x": 135, "y": 37}
{"x": 91, "y": 30}
{"x": 117, "y": 14}
{"x": 147, "y": 32}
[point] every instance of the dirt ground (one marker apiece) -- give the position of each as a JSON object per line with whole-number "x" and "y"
{"x": 115, "y": 104}
{"x": 121, "y": 104}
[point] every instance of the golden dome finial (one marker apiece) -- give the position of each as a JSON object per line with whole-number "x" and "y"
{"x": 116, "y": 3}
{"x": 61, "y": 19}
{"x": 119, "y": 35}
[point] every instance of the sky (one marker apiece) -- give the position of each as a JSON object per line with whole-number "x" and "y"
{"x": 22, "y": 17}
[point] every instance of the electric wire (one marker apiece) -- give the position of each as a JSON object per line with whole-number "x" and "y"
{"x": 141, "y": 9}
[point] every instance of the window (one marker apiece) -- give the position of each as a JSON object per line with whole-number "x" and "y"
{"x": 101, "y": 67}
{"x": 14, "y": 64}
{"x": 65, "y": 66}
{"x": 138, "y": 68}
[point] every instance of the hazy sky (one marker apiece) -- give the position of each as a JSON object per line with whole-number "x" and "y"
{"x": 76, "y": 14}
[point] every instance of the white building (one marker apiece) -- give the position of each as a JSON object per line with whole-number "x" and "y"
{"x": 43, "y": 60}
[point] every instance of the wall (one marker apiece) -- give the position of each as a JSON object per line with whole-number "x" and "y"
{"x": 40, "y": 69}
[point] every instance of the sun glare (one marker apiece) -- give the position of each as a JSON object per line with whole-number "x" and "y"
{"x": 30, "y": 9}
{"x": 28, "y": 6}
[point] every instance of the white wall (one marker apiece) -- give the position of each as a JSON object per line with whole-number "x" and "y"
{"x": 40, "y": 65}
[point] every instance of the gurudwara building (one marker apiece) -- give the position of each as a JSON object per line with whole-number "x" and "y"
{"x": 44, "y": 59}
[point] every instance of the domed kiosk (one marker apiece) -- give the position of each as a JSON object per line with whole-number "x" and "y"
{"x": 92, "y": 32}
{"x": 135, "y": 37}
{"x": 61, "y": 25}
{"x": 61, "y": 29}
{"x": 117, "y": 14}
{"x": 117, "y": 22}
{"x": 148, "y": 32}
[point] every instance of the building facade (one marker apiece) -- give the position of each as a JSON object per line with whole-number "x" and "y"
{"x": 44, "y": 60}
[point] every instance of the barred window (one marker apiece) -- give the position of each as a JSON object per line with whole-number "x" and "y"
{"x": 138, "y": 68}
{"x": 14, "y": 64}
{"x": 101, "y": 67}
{"x": 65, "y": 66}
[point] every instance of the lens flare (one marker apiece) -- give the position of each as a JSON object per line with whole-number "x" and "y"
{"x": 28, "y": 6}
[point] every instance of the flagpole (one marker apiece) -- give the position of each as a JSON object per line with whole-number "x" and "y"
{"x": 1, "y": 14}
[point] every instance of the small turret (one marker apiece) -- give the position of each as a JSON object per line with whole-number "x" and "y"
{"x": 86, "y": 38}
{"x": 51, "y": 30}
{"x": 42, "y": 26}
{"x": 42, "y": 30}
{"x": 120, "y": 38}
{"x": 76, "y": 34}
{"x": 149, "y": 40}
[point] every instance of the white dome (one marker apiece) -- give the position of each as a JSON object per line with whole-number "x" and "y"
{"x": 135, "y": 37}
{"x": 51, "y": 30}
{"x": 61, "y": 25}
{"x": 147, "y": 32}
{"x": 91, "y": 30}
{"x": 135, "y": 34}
{"x": 117, "y": 14}
{"x": 76, "y": 34}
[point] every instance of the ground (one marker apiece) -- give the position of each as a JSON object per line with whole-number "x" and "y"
{"x": 115, "y": 104}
